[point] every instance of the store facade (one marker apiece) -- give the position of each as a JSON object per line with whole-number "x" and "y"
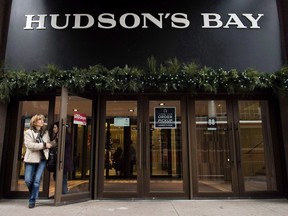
{"x": 149, "y": 144}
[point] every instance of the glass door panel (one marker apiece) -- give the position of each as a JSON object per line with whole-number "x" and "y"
{"x": 165, "y": 144}
{"x": 27, "y": 109}
{"x": 143, "y": 155}
{"x": 234, "y": 147}
{"x": 74, "y": 148}
{"x": 213, "y": 148}
{"x": 257, "y": 160}
{"x": 121, "y": 137}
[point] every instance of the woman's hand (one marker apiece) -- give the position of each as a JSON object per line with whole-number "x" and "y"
{"x": 48, "y": 145}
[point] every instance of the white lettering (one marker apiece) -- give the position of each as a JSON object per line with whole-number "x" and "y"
{"x": 213, "y": 20}
{"x": 211, "y": 17}
{"x": 253, "y": 21}
{"x": 78, "y": 116}
{"x": 78, "y": 17}
{"x": 135, "y": 18}
{"x": 54, "y": 18}
{"x": 41, "y": 21}
{"x": 179, "y": 18}
{"x": 106, "y": 18}
{"x": 234, "y": 20}
{"x": 148, "y": 16}
{"x": 132, "y": 20}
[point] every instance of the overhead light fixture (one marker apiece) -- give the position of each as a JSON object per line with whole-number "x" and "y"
{"x": 75, "y": 110}
{"x": 161, "y": 104}
{"x": 131, "y": 110}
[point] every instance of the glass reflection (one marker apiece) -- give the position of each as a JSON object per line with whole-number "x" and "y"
{"x": 213, "y": 151}
{"x": 256, "y": 151}
{"x": 166, "y": 170}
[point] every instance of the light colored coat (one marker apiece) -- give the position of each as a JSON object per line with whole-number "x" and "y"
{"x": 33, "y": 153}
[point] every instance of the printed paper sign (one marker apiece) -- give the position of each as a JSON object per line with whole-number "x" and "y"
{"x": 80, "y": 119}
{"x": 165, "y": 117}
{"x": 121, "y": 122}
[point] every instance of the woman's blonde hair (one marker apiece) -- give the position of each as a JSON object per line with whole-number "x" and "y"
{"x": 35, "y": 118}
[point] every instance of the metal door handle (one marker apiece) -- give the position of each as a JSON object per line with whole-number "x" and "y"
{"x": 60, "y": 145}
{"x": 236, "y": 126}
{"x": 140, "y": 145}
{"x": 146, "y": 149}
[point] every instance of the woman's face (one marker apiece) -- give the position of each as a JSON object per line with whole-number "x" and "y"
{"x": 55, "y": 129}
{"x": 39, "y": 123}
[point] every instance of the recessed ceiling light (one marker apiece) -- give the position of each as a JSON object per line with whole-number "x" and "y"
{"x": 75, "y": 110}
{"x": 161, "y": 104}
{"x": 131, "y": 110}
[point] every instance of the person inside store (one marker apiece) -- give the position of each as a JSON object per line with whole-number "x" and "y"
{"x": 118, "y": 161}
{"x": 37, "y": 143}
{"x": 68, "y": 162}
{"x": 132, "y": 159}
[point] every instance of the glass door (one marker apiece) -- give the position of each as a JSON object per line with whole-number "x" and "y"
{"x": 255, "y": 152}
{"x": 165, "y": 164}
{"x": 234, "y": 153}
{"x": 121, "y": 148}
{"x": 74, "y": 117}
{"x": 142, "y": 156}
{"x": 214, "y": 149}
{"x": 15, "y": 165}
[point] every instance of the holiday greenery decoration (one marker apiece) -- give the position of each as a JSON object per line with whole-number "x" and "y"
{"x": 171, "y": 76}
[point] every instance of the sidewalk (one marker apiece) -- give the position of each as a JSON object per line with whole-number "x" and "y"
{"x": 246, "y": 207}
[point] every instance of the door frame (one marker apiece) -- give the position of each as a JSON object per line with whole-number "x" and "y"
{"x": 189, "y": 135}
{"x": 100, "y": 164}
{"x": 184, "y": 147}
{"x": 268, "y": 137}
{"x": 59, "y": 198}
{"x": 233, "y": 136}
{"x": 10, "y": 145}
{"x": 143, "y": 176}
{"x": 193, "y": 148}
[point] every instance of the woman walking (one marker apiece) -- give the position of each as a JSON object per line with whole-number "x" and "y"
{"x": 37, "y": 142}
{"x": 68, "y": 162}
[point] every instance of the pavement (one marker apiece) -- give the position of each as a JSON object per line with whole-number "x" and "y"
{"x": 243, "y": 207}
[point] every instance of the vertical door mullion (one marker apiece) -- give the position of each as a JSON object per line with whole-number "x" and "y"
{"x": 145, "y": 146}
{"x": 237, "y": 149}
{"x": 192, "y": 148}
{"x": 140, "y": 150}
{"x": 233, "y": 120}
{"x": 61, "y": 145}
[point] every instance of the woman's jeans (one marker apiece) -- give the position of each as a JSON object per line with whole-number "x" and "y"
{"x": 33, "y": 175}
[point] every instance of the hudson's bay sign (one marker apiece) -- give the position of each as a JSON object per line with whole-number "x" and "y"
{"x": 218, "y": 34}
{"x": 143, "y": 20}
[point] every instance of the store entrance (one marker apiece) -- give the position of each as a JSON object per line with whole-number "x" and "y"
{"x": 142, "y": 149}
{"x": 233, "y": 149}
{"x": 150, "y": 147}
{"x": 73, "y": 179}
{"x": 73, "y": 116}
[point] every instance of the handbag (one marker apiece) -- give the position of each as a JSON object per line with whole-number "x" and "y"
{"x": 39, "y": 139}
{"x": 52, "y": 160}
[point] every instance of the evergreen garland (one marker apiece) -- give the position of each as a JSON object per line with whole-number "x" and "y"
{"x": 172, "y": 76}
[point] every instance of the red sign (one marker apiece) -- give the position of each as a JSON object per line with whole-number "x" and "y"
{"x": 80, "y": 119}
